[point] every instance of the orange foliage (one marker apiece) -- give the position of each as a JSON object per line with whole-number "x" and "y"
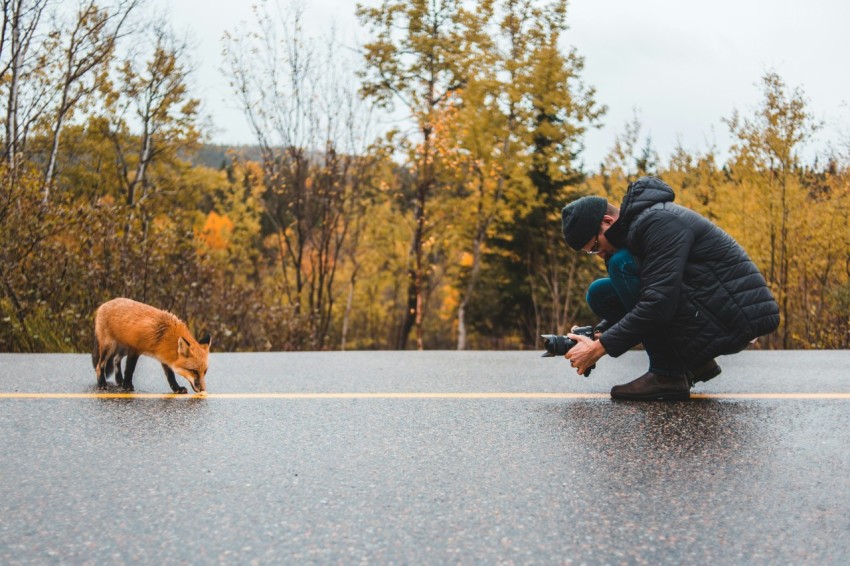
{"x": 217, "y": 231}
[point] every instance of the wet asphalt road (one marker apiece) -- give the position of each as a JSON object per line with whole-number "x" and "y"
{"x": 415, "y": 478}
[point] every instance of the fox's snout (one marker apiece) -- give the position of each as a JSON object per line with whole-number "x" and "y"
{"x": 199, "y": 384}
{"x": 192, "y": 362}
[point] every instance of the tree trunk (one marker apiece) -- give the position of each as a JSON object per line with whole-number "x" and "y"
{"x": 470, "y": 289}
{"x": 348, "y": 304}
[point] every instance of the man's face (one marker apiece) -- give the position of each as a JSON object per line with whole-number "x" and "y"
{"x": 599, "y": 244}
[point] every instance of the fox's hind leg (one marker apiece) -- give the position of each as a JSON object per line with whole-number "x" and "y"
{"x": 172, "y": 381}
{"x": 119, "y": 377}
{"x": 132, "y": 358}
{"x": 103, "y": 367}
{"x": 101, "y": 375}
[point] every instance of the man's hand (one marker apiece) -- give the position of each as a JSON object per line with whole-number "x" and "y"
{"x": 585, "y": 353}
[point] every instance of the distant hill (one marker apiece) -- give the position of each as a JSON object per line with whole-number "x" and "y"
{"x": 220, "y": 156}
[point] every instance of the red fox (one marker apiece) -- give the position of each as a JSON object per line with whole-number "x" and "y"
{"x": 126, "y": 328}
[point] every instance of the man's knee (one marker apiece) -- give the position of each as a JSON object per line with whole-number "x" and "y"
{"x": 622, "y": 265}
{"x": 623, "y": 271}
{"x": 599, "y": 295}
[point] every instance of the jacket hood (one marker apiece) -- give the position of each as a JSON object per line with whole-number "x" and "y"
{"x": 644, "y": 193}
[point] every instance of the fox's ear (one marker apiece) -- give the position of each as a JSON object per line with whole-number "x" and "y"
{"x": 182, "y": 347}
{"x": 205, "y": 340}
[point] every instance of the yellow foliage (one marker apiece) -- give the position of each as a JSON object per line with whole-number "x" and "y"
{"x": 450, "y": 303}
{"x": 162, "y": 223}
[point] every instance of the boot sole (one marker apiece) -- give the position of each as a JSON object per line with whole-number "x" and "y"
{"x": 681, "y": 396}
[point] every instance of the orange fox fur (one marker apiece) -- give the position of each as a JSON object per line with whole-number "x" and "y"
{"x": 127, "y": 328}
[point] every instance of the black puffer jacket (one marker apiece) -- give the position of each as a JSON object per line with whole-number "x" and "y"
{"x": 698, "y": 286}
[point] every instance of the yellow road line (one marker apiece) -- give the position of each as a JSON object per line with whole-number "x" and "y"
{"x": 844, "y": 396}
{"x": 339, "y": 395}
{"x": 411, "y": 395}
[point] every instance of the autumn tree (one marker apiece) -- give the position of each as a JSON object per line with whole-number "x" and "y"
{"x": 242, "y": 314}
{"x": 310, "y": 128}
{"x": 24, "y": 87}
{"x": 86, "y": 46}
{"x": 44, "y": 270}
{"x": 26, "y": 230}
{"x": 698, "y": 180}
{"x": 766, "y": 165}
{"x": 485, "y": 154}
{"x": 821, "y": 299}
{"x": 474, "y": 142}
{"x": 416, "y": 58}
{"x": 553, "y": 108}
{"x": 123, "y": 169}
{"x": 152, "y": 95}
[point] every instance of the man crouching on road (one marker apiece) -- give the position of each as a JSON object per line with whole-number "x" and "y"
{"x": 676, "y": 283}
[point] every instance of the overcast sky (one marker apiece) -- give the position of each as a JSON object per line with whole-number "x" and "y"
{"x": 680, "y": 65}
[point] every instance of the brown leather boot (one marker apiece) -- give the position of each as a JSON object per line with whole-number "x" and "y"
{"x": 654, "y": 387}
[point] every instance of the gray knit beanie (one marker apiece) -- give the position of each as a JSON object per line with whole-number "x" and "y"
{"x": 580, "y": 220}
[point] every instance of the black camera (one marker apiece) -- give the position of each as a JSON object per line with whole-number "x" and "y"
{"x": 559, "y": 345}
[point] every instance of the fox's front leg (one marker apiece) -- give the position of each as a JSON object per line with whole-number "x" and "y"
{"x": 128, "y": 371}
{"x": 169, "y": 375}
